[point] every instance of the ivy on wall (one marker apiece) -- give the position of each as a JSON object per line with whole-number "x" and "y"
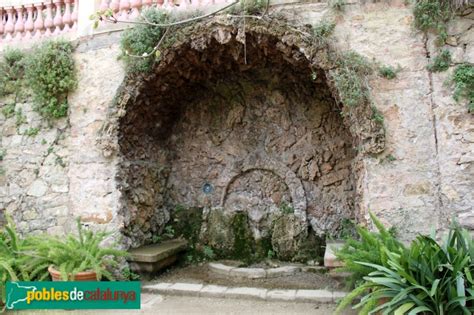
{"x": 47, "y": 71}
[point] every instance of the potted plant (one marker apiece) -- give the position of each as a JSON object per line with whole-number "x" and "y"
{"x": 78, "y": 258}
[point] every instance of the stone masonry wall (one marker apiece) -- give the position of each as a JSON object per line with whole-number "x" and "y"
{"x": 429, "y": 134}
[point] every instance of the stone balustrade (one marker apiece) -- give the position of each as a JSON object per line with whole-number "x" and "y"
{"x": 130, "y": 9}
{"x": 24, "y": 21}
{"x": 36, "y": 20}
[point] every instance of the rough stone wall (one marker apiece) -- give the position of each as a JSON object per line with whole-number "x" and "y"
{"x": 454, "y": 128}
{"x": 34, "y": 185}
{"x": 428, "y": 133}
{"x": 64, "y": 171}
{"x": 93, "y": 193}
{"x": 247, "y": 142}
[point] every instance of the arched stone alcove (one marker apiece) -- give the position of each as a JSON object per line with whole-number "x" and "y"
{"x": 253, "y": 128}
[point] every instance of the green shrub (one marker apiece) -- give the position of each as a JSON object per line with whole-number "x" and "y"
{"x": 388, "y": 72}
{"x": 432, "y": 15}
{"x": 31, "y": 132}
{"x": 370, "y": 247}
{"x": 8, "y": 110}
{"x": 428, "y": 277}
{"x": 141, "y": 40}
{"x": 338, "y": 5}
{"x": 377, "y": 115}
{"x": 323, "y": 30}
{"x": 248, "y": 7}
{"x": 441, "y": 62}
{"x": 463, "y": 79}
{"x": 51, "y": 75}
{"x": 349, "y": 78}
{"x": 12, "y": 71}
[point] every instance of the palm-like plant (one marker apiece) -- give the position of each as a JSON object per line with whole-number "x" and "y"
{"x": 17, "y": 259}
{"x": 427, "y": 278}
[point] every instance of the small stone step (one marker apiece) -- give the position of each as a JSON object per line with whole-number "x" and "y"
{"x": 151, "y": 258}
{"x": 330, "y": 259}
{"x": 213, "y": 291}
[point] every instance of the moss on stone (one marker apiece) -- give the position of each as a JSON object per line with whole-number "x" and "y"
{"x": 219, "y": 235}
{"x": 263, "y": 247}
{"x": 244, "y": 243}
{"x": 187, "y": 222}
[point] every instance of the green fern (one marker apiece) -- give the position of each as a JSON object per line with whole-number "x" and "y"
{"x": 72, "y": 255}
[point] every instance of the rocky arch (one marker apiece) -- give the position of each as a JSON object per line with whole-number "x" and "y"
{"x": 200, "y": 63}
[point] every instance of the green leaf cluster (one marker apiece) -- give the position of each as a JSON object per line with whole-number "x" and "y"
{"x": 138, "y": 42}
{"x": 73, "y": 254}
{"x": 463, "y": 79}
{"x": 432, "y": 15}
{"x": 350, "y": 76}
{"x": 17, "y": 259}
{"x": 388, "y": 72}
{"x": 28, "y": 258}
{"x": 51, "y": 75}
{"x": 369, "y": 247}
{"x": 441, "y": 62}
{"x": 428, "y": 277}
{"x": 12, "y": 71}
{"x": 323, "y": 30}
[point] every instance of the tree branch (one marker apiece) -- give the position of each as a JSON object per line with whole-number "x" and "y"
{"x": 114, "y": 20}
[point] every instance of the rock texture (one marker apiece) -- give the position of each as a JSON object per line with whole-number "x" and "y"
{"x": 210, "y": 129}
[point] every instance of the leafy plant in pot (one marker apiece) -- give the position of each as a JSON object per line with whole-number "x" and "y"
{"x": 78, "y": 258}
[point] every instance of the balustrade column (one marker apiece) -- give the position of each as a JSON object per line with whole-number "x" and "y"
{"x": 136, "y": 6}
{"x": 2, "y": 28}
{"x": 9, "y": 26}
{"x": 74, "y": 14}
{"x": 58, "y": 19}
{"x": 20, "y": 23}
{"x": 115, "y": 6}
{"x": 29, "y": 25}
{"x": 124, "y": 7}
{"x": 67, "y": 18}
{"x": 147, "y": 3}
{"x": 49, "y": 22}
{"x": 39, "y": 21}
{"x": 104, "y": 5}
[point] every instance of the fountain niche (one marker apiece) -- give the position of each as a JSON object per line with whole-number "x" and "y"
{"x": 246, "y": 147}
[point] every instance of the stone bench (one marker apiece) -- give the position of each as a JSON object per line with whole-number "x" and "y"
{"x": 151, "y": 258}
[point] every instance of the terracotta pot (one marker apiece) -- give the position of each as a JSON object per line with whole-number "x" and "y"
{"x": 80, "y": 276}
